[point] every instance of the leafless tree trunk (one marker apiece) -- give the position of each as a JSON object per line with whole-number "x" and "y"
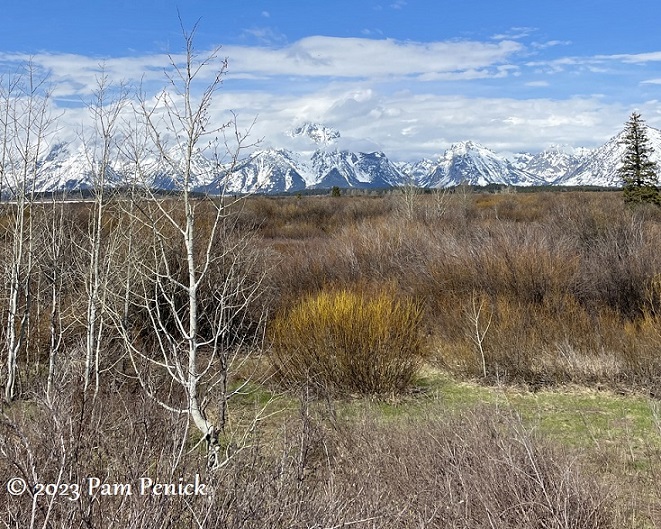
{"x": 26, "y": 121}
{"x": 54, "y": 242}
{"x": 478, "y": 329}
{"x": 105, "y": 111}
{"x": 190, "y": 239}
{"x": 411, "y": 198}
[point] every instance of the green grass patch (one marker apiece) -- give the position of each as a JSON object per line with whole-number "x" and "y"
{"x": 582, "y": 417}
{"x": 628, "y": 426}
{"x": 623, "y": 431}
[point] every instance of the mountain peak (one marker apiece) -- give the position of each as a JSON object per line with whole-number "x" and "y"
{"x": 318, "y": 133}
{"x": 464, "y": 148}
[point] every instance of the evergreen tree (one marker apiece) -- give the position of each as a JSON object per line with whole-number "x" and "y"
{"x": 638, "y": 171}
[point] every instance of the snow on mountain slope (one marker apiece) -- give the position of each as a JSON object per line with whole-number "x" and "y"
{"x": 350, "y": 169}
{"x": 550, "y": 164}
{"x": 67, "y": 167}
{"x": 319, "y": 134}
{"x": 416, "y": 173}
{"x": 268, "y": 171}
{"x": 600, "y": 167}
{"x": 471, "y": 163}
{"x": 167, "y": 172}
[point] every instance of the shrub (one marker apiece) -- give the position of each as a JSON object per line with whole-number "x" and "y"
{"x": 340, "y": 341}
{"x": 478, "y": 470}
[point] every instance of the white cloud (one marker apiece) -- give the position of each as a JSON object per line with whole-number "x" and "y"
{"x": 77, "y": 74}
{"x": 596, "y": 63}
{"x": 411, "y": 126}
{"x": 637, "y": 58}
{"x": 515, "y": 33}
{"x": 367, "y": 58}
{"x": 312, "y": 57}
{"x": 266, "y": 36}
{"x": 370, "y": 32}
{"x": 550, "y": 44}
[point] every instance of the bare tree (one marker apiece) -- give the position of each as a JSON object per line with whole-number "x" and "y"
{"x": 411, "y": 198}
{"x": 105, "y": 111}
{"x": 196, "y": 287}
{"x": 26, "y": 123}
{"x": 479, "y": 329}
{"x": 54, "y": 244}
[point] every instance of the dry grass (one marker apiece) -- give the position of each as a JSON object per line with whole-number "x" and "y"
{"x": 569, "y": 281}
{"x": 480, "y": 469}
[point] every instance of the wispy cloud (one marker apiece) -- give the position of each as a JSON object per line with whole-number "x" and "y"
{"x": 265, "y": 36}
{"x": 371, "y": 32}
{"x": 367, "y": 58}
{"x": 596, "y": 63}
{"x": 77, "y": 75}
{"x": 636, "y": 58}
{"x": 515, "y": 33}
{"x": 550, "y": 44}
{"x": 370, "y": 60}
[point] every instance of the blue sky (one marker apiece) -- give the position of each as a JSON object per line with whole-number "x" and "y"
{"x": 408, "y": 77}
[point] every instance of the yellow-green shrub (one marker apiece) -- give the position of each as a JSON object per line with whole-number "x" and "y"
{"x": 340, "y": 341}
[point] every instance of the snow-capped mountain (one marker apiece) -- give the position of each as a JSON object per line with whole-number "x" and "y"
{"x": 416, "y": 173}
{"x": 350, "y": 169}
{"x": 167, "y": 172}
{"x": 319, "y": 134}
{"x": 325, "y": 164}
{"x": 550, "y": 164}
{"x": 471, "y": 163}
{"x": 268, "y": 171}
{"x": 66, "y": 168}
{"x": 69, "y": 167}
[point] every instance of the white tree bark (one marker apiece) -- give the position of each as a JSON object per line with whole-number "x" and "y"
{"x": 105, "y": 110}
{"x": 194, "y": 359}
{"x": 54, "y": 247}
{"x": 26, "y": 121}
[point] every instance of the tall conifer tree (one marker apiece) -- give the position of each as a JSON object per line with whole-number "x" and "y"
{"x": 638, "y": 171}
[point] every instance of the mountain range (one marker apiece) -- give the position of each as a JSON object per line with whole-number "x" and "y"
{"x": 324, "y": 164}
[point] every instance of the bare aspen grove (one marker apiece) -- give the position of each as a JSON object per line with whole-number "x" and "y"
{"x": 402, "y": 359}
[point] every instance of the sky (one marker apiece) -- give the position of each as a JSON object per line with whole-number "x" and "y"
{"x": 407, "y": 77}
